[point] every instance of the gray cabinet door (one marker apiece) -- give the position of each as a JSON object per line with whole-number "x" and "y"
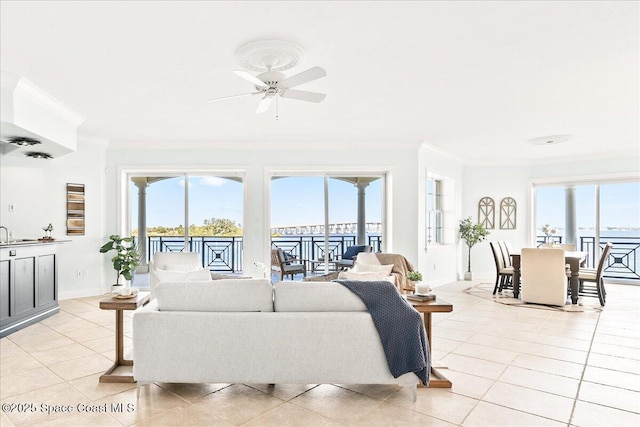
{"x": 5, "y": 302}
{"x": 46, "y": 279}
{"x": 25, "y": 285}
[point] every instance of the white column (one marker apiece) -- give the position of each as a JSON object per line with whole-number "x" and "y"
{"x": 570, "y": 227}
{"x": 362, "y": 232}
{"x": 142, "y": 224}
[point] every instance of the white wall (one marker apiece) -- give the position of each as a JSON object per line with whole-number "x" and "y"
{"x": 257, "y": 164}
{"x": 37, "y": 190}
{"x": 439, "y": 264}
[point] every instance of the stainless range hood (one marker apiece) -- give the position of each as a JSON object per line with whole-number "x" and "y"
{"x": 34, "y": 122}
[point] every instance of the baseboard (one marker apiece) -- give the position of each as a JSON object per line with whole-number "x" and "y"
{"x": 440, "y": 282}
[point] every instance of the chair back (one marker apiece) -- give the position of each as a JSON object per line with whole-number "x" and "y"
{"x": 353, "y": 251}
{"x": 544, "y": 279}
{"x": 603, "y": 260}
{"x": 567, "y": 246}
{"x": 275, "y": 259}
{"x": 163, "y": 259}
{"x": 506, "y": 256}
{"x": 497, "y": 255}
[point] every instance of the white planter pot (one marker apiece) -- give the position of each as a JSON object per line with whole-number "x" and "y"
{"x": 468, "y": 276}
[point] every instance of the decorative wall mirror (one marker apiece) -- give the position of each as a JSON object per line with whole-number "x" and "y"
{"x": 508, "y": 208}
{"x": 487, "y": 213}
{"x": 75, "y": 209}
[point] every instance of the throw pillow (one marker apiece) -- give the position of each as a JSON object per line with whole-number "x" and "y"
{"x": 364, "y": 276}
{"x": 359, "y": 267}
{"x": 181, "y": 267}
{"x": 183, "y": 276}
{"x": 368, "y": 258}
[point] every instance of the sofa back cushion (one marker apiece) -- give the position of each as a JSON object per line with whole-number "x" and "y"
{"x": 315, "y": 296}
{"x": 216, "y": 295}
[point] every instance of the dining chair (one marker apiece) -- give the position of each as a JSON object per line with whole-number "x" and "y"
{"x": 504, "y": 274}
{"x": 544, "y": 278}
{"x": 595, "y": 276}
{"x": 567, "y": 246}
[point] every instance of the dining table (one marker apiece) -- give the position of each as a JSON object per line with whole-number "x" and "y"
{"x": 574, "y": 259}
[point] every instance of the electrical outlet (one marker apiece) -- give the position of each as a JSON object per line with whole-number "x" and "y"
{"x": 11, "y": 207}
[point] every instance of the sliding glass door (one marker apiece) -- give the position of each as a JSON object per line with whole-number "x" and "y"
{"x": 183, "y": 212}
{"x": 316, "y": 218}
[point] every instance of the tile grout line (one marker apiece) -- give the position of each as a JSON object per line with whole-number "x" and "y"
{"x": 584, "y": 369}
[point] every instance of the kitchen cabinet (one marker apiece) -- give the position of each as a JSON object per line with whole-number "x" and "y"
{"x": 28, "y": 285}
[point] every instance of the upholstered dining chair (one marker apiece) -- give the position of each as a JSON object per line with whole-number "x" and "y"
{"x": 504, "y": 274}
{"x": 544, "y": 277}
{"x": 595, "y": 276}
{"x": 567, "y": 246}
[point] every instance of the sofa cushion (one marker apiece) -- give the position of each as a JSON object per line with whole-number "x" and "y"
{"x": 182, "y": 276}
{"x": 216, "y": 295}
{"x": 315, "y": 296}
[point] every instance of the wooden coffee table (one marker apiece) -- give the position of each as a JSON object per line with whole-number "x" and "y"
{"x": 436, "y": 306}
{"x": 116, "y": 374}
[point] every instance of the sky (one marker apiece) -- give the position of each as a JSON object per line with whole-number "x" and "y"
{"x": 294, "y": 201}
{"x": 619, "y": 205}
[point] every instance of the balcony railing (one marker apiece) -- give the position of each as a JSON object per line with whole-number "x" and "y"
{"x": 224, "y": 254}
{"x": 623, "y": 261}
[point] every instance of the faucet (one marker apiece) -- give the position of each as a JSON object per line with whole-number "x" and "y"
{"x": 7, "y": 231}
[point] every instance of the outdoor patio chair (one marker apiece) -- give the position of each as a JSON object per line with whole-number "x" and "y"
{"x": 348, "y": 258}
{"x": 287, "y": 265}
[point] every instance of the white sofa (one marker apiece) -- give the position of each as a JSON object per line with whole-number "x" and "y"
{"x": 248, "y": 331}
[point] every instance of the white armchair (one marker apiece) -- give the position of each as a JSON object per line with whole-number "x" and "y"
{"x": 544, "y": 278}
{"x": 175, "y": 266}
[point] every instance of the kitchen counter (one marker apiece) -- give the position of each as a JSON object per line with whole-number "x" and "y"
{"x": 28, "y": 283}
{"x": 29, "y": 242}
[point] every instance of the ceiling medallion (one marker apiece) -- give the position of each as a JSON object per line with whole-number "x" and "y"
{"x": 38, "y": 155}
{"x": 23, "y": 141}
{"x": 549, "y": 140}
{"x": 269, "y": 55}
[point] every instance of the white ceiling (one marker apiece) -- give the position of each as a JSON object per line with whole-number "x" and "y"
{"x": 472, "y": 79}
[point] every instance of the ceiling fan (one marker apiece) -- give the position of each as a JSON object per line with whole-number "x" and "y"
{"x": 273, "y": 84}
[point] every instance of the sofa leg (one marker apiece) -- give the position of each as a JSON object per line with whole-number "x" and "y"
{"x": 138, "y": 390}
{"x": 414, "y": 392}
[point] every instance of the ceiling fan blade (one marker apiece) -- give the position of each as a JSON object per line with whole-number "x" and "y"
{"x": 303, "y": 77}
{"x": 250, "y": 77}
{"x": 265, "y": 102}
{"x": 232, "y": 96}
{"x": 303, "y": 95}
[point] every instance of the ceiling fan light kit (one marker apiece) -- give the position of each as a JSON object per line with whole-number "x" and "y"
{"x": 269, "y": 58}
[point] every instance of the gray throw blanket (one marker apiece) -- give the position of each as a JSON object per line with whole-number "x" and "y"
{"x": 400, "y": 327}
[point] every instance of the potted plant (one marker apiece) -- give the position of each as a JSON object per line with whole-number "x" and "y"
{"x": 126, "y": 258}
{"x": 471, "y": 234}
{"x": 416, "y": 280}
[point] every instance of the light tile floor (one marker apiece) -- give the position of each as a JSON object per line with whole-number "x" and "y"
{"x": 509, "y": 366}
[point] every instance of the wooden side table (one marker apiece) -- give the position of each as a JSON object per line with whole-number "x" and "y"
{"x": 113, "y": 374}
{"x": 436, "y": 306}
